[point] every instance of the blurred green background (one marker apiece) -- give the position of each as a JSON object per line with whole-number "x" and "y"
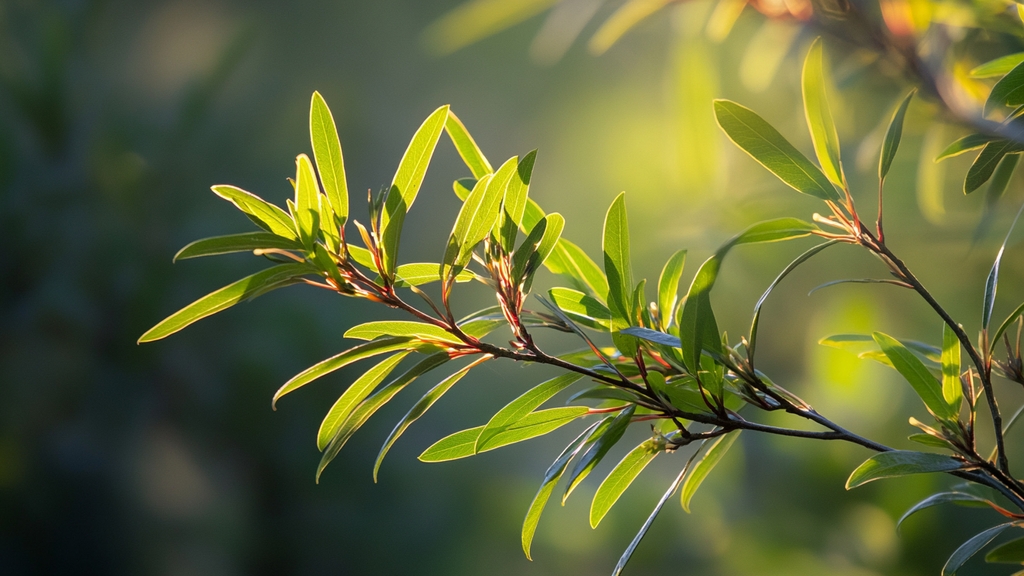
{"x": 116, "y": 117}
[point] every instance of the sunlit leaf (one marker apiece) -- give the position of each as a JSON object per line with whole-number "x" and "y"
{"x": 245, "y": 242}
{"x": 631, "y": 465}
{"x": 764, "y": 144}
{"x": 264, "y": 214}
{"x": 604, "y": 439}
{"x": 952, "y": 391}
{"x": 965, "y": 144}
{"x": 537, "y": 247}
{"x": 940, "y": 498}
{"x": 915, "y": 372}
{"x": 971, "y": 547}
{"x": 467, "y": 147}
{"x": 900, "y": 463}
{"x": 353, "y": 395}
{"x": 409, "y": 329}
{"x": 704, "y": 467}
{"x": 1009, "y": 91}
{"x": 418, "y": 410}
{"x": 1011, "y": 552}
{"x": 516, "y": 198}
{"x": 522, "y": 406}
{"x": 668, "y": 287}
{"x": 998, "y": 67}
{"x": 985, "y": 164}
{"x": 244, "y": 289}
{"x": 476, "y": 218}
{"x": 463, "y": 444}
{"x": 583, "y": 309}
{"x": 819, "y": 115}
{"x": 323, "y": 134}
{"x": 892, "y": 137}
{"x": 617, "y": 264}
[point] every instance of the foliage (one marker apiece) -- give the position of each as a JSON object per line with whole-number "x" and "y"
{"x": 669, "y": 367}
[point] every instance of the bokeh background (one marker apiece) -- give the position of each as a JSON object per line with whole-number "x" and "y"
{"x": 166, "y": 459}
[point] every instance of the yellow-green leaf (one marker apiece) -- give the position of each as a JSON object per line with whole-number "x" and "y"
{"x": 819, "y": 115}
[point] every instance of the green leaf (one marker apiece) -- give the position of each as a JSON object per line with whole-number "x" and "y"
{"x": 997, "y": 67}
{"x": 570, "y": 260}
{"x": 307, "y": 201}
{"x": 421, "y": 273}
{"x": 536, "y": 249}
{"x": 1001, "y": 179}
{"x": 992, "y": 282}
{"x": 929, "y": 440}
{"x": 245, "y": 289}
{"x": 1009, "y": 91}
{"x": 419, "y": 409}
{"x": 652, "y": 336}
{"x": 476, "y": 218}
{"x": 406, "y": 183}
{"x": 892, "y": 137}
{"x": 264, "y": 214}
{"x": 1011, "y": 552}
{"x": 369, "y": 407}
{"x": 711, "y": 459}
{"x": 628, "y": 553}
{"x": 631, "y": 465}
{"x": 940, "y": 498}
{"x": 952, "y": 391}
{"x": 985, "y": 164}
{"x": 353, "y": 395}
{"x": 917, "y": 374}
{"x": 467, "y": 147}
{"x": 547, "y": 486}
{"x": 338, "y": 361}
{"x": 900, "y": 463}
{"x": 522, "y": 406}
{"x": 1006, "y": 324}
{"x": 583, "y": 309}
{"x": 323, "y": 135}
{"x": 463, "y": 444}
{"x": 775, "y": 230}
{"x": 765, "y": 145}
{"x": 514, "y": 206}
{"x": 617, "y": 265}
{"x": 819, "y": 116}
{"x": 668, "y": 287}
{"x": 965, "y": 144}
{"x": 971, "y": 547}
{"x": 604, "y": 439}
{"x": 245, "y": 242}
{"x": 463, "y": 186}
{"x": 419, "y": 330}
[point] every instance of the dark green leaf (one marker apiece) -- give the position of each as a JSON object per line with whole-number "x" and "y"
{"x": 617, "y": 265}
{"x": 244, "y": 289}
{"x": 323, "y": 135}
{"x": 477, "y": 217}
{"x": 522, "y": 406}
{"x": 917, "y": 374}
{"x": 1011, "y": 552}
{"x": 711, "y": 459}
{"x": 570, "y": 260}
{"x": 971, "y": 547}
{"x": 997, "y": 67}
{"x": 900, "y": 463}
{"x": 771, "y": 231}
{"x": 819, "y": 116}
{"x": 892, "y": 137}
{"x": 631, "y": 465}
{"x": 353, "y": 395}
{"x": 467, "y": 147}
{"x": 992, "y": 282}
{"x": 965, "y": 144}
{"x": 668, "y": 287}
{"x": 764, "y": 144}
{"x": 604, "y": 439}
{"x": 1009, "y": 91}
{"x": 985, "y": 164}
{"x": 463, "y": 444}
{"x": 463, "y": 186}
{"x": 536, "y": 248}
{"x": 264, "y": 214}
{"x": 1006, "y": 324}
{"x": 940, "y": 498}
{"x": 245, "y": 242}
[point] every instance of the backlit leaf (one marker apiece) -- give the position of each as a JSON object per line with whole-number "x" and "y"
{"x": 307, "y": 201}
{"x": 892, "y": 137}
{"x": 915, "y": 372}
{"x": 965, "y": 144}
{"x": 514, "y": 206}
{"x": 522, "y": 406}
{"x": 819, "y": 115}
{"x": 617, "y": 266}
{"x": 706, "y": 464}
{"x": 998, "y": 67}
{"x": 463, "y": 444}
{"x": 467, "y": 147}
{"x": 353, "y": 395}
{"x": 971, "y": 547}
{"x": 245, "y": 242}
{"x": 323, "y": 134}
{"x": 631, "y": 465}
{"x": 477, "y": 217}
{"x": 264, "y": 214}
{"x": 1009, "y": 91}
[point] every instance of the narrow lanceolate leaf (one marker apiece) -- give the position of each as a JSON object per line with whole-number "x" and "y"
{"x": 522, "y": 406}
{"x": 764, "y": 143}
{"x": 352, "y": 396}
{"x": 965, "y": 144}
{"x": 997, "y": 67}
{"x": 419, "y": 409}
{"x": 631, "y": 465}
{"x": 369, "y": 407}
{"x": 581, "y": 308}
{"x": 476, "y": 218}
{"x": 467, "y": 147}
{"x": 547, "y": 486}
{"x": 570, "y": 260}
{"x": 668, "y": 287}
{"x": 420, "y": 273}
{"x": 307, "y": 201}
{"x": 697, "y": 325}
{"x": 992, "y": 282}
{"x": 617, "y": 265}
{"x": 1009, "y": 91}
{"x": 711, "y": 459}
{"x": 264, "y": 214}
{"x": 819, "y": 116}
{"x": 599, "y": 448}
{"x": 900, "y": 463}
{"x": 917, "y": 374}
{"x": 971, "y": 547}
{"x": 406, "y": 183}
{"x": 419, "y": 330}
{"x": 952, "y": 391}
{"x": 1011, "y": 552}
{"x": 244, "y": 289}
{"x": 892, "y": 137}
{"x": 985, "y": 164}
{"x": 1006, "y": 324}
{"x": 516, "y": 198}
{"x": 775, "y": 230}
{"x": 463, "y": 444}
{"x": 323, "y": 135}
{"x": 941, "y": 498}
{"x": 245, "y": 242}
{"x": 338, "y": 361}
{"x": 536, "y": 249}
{"x": 652, "y": 336}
